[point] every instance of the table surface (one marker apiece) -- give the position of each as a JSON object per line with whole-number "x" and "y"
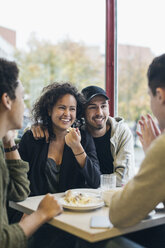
{"x": 78, "y": 222}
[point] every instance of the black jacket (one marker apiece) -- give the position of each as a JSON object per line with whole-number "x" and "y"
{"x": 71, "y": 174}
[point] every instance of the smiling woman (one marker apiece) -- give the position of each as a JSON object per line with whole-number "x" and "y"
{"x": 63, "y": 113}
{"x": 69, "y": 159}
{"x": 59, "y": 104}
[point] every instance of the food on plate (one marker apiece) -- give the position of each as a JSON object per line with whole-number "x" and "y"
{"x": 81, "y": 199}
{"x": 77, "y": 198}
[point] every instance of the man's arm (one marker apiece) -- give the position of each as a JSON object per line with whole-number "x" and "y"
{"x": 124, "y": 156}
{"x": 9, "y": 144}
{"x": 40, "y": 132}
{"x": 47, "y": 209}
{"x": 18, "y": 188}
{"x": 15, "y": 235}
{"x": 142, "y": 193}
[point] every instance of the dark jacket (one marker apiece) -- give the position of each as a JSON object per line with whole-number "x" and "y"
{"x": 71, "y": 174}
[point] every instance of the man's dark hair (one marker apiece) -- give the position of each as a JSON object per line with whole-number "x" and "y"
{"x": 156, "y": 74}
{"x": 8, "y": 78}
{"x": 50, "y": 95}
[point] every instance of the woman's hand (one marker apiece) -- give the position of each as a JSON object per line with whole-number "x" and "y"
{"x": 73, "y": 138}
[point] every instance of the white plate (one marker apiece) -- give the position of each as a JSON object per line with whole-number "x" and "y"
{"x": 83, "y": 207}
{"x": 97, "y": 192}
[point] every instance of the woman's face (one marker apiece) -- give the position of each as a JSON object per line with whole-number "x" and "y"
{"x": 63, "y": 113}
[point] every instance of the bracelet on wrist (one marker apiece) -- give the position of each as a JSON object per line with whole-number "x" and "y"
{"x": 79, "y": 153}
{"x": 11, "y": 149}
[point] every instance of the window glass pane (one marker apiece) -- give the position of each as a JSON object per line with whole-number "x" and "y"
{"x": 56, "y": 41}
{"x": 140, "y": 38}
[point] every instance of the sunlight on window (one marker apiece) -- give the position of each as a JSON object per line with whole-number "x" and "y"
{"x": 57, "y": 41}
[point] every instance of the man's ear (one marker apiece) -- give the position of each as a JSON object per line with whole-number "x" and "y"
{"x": 6, "y": 101}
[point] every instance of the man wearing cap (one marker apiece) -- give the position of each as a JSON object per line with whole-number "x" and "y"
{"x": 113, "y": 138}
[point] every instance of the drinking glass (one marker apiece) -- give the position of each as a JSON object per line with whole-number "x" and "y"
{"x": 107, "y": 181}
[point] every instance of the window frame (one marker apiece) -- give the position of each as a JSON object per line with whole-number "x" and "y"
{"x": 111, "y": 56}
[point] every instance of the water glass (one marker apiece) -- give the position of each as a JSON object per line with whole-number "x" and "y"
{"x": 107, "y": 181}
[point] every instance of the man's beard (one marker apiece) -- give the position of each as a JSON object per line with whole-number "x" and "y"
{"x": 95, "y": 127}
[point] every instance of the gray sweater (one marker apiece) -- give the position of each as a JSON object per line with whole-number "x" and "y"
{"x": 14, "y": 186}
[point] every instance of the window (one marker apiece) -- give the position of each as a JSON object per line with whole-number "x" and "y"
{"x": 58, "y": 41}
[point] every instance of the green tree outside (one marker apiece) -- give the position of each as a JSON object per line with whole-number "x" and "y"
{"x": 66, "y": 61}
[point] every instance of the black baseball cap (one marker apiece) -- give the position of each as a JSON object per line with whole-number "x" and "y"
{"x": 92, "y": 91}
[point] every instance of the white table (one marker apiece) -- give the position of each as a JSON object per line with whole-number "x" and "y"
{"x": 78, "y": 223}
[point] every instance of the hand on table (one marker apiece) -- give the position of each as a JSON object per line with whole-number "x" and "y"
{"x": 49, "y": 207}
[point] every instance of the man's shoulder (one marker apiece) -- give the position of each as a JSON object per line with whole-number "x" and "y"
{"x": 155, "y": 154}
{"x": 85, "y": 135}
{"x": 159, "y": 142}
{"x": 157, "y": 149}
{"x": 117, "y": 123}
{"x": 84, "y": 131}
{"x": 117, "y": 120}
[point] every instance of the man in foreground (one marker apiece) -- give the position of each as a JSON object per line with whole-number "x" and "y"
{"x": 14, "y": 184}
{"x": 142, "y": 194}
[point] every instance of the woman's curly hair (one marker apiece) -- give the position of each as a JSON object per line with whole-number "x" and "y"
{"x": 49, "y": 97}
